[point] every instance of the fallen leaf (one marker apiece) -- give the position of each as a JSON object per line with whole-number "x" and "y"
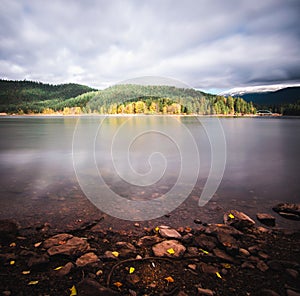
{"x": 169, "y": 279}
{"x": 12, "y": 262}
{"x": 171, "y": 251}
{"x": 32, "y": 283}
{"x": 26, "y": 272}
{"x": 226, "y": 265}
{"x": 204, "y": 251}
{"x": 231, "y": 216}
{"x": 36, "y": 245}
{"x": 115, "y": 253}
{"x": 12, "y": 245}
{"x": 131, "y": 270}
{"x": 156, "y": 229}
{"x": 58, "y": 268}
{"x": 118, "y": 284}
{"x": 73, "y": 291}
{"x": 218, "y": 275}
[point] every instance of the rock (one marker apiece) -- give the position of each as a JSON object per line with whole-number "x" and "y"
{"x": 161, "y": 249}
{"x": 126, "y": 249}
{"x": 262, "y": 266}
{"x": 169, "y": 233}
{"x": 6, "y": 293}
{"x": 247, "y": 265}
{"x": 192, "y": 266}
{"x": 266, "y": 219}
{"x": 206, "y": 292}
{"x": 223, "y": 256}
{"x": 86, "y": 259}
{"x": 148, "y": 241}
{"x": 109, "y": 255}
{"x": 132, "y": 279}
{"x": 181, "y": 293}
{"x": 217, "y": 228}
{"x": 227, "y": 240}
{"x": 263, "y": 255}
{"x": 192, "y": 252}
{"x": 65, "y": 270}
{"x": 197, "y": 221}
{"x": 237, "y": 219}
{"x": 244, "y": 252}
{"x": 267, "y": 292}
{"x": 292, "y": 273}
{"x": 290, "y": 292}
{"x": 205, "y": 242}
{"x": 66, "y": 244}
{"x": 207, "y": 268}
{"x": 289, "y": 211}
{"x": 56, "y": 240}
{"x": 38, "y": 260}
{"x": 90, "y": 287}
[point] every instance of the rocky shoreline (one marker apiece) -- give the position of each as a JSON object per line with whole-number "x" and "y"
{"x": 233, "y": 258}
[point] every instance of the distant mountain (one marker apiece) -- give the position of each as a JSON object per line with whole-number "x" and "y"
{"x": 265, "y": 96}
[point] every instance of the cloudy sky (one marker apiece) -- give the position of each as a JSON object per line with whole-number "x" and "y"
{"x": 208, "y": 44}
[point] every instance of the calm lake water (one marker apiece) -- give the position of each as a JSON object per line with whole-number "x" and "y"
{"x": 140, "y": 159}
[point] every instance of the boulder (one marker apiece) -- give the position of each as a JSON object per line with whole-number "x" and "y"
{"x": 287, "y": 210}
{"x": 237, "y": 219}
{"x": 169, "y": 248}
{"x": 266, "y": 219}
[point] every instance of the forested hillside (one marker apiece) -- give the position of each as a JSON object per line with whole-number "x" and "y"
{"x": 31, "y": 97}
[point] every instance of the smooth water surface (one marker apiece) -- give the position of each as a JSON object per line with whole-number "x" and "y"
{"x": 38, "y": 181}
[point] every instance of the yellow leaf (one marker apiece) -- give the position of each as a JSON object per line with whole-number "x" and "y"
{"x": 118, "y": 284}
{"x": 115, "y": 253}
{"x": 58, "y": 268}
{"x": 26, "y": 272}
{"x": 131, "y": 270}
{"x": 171, "y": 251}
{"x": 32, "y": 283}
{"x": 169, "y": 279}
{"x": 36, "y": 245}
{"x": 205, "y": 252}
{"x": 226, "y": 265}
{"x": 73, "y": 291}
{"x": 156, "y": 229}
{"x": 12, "y": 245}
{"x": 12, "y": 262}
{"x": 231, "y": 216}
{"x": 218, "y": 275}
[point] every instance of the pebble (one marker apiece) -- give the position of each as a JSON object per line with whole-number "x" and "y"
{"x": 247, "y": 265}
{"x": 161, "y": 249}
{"x": 86, "y": 259}
{"x": 290, "y": 292}
{"x": 197, "y": 221}
{"x": 192, "y": 266}
{"x": 262, "y": 266}
{"x": 132, "y": 279}
{"x": 66, "y": 269}
{"x": 6, "y": 293}
{"x": 244, "y": 252}
{"x": 169, "y": 233}
{"x": 206, "y": 292}
{"x": 292, "y": 272}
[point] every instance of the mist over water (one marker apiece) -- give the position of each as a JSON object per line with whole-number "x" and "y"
{"x": 37, "y": 178}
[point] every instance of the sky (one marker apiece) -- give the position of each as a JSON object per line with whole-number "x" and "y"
{"x": 212, "y": 45}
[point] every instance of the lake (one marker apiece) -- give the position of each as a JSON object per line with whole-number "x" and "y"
{"x": 62, "y": 170}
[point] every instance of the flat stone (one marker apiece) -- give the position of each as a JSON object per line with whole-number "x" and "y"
{"x": 90, "y": 287}
{"x": 217, "y": 228}
{"x": 206, "y": 292}
{"x": 287, "y": 210}
{"x": 169, "y": 233}
{"x": 223, "y": 256}
{"x": 161, "y": 249}
{"x": 244, "y": 252}
{"x": 266, "y": 219}
{"x": 237, "y": 219}
{"x": 262, "y": 266}
{"x": 205, "y": 242}
{"x": 70, "y": 245}
{"x": 86, "y": 259}
{"x": 148, "y": 241}
{"x": 65, "y": 270}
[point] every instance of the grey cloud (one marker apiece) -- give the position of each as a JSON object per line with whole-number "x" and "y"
{"x": 207, "y": 44}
